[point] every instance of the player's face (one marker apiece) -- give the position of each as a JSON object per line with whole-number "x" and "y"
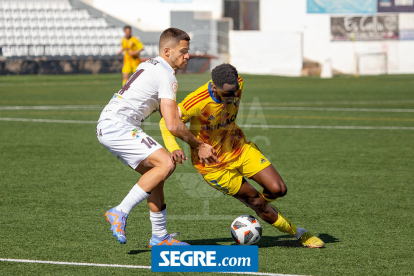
{"x": 227, "y": 94}
{"x": 127, "y": 32}
{"x": 179, "y": 55}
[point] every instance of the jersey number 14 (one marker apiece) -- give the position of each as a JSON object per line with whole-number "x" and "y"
{"x": 130, "y": 81}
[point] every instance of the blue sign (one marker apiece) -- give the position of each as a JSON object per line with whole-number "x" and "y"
{"x": 342, "y": 6}
{"x": 205, "y": 258}
{"x": 407, "y": 34}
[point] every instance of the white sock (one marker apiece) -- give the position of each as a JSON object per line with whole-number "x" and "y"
{"x": 134, "y": 197}
{"x": 159, "y": 223}
{"x": 300, "y": 232}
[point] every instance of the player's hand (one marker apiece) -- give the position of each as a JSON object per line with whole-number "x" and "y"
{"x": 178, "y": 156}
{"x": 207, "y": 154}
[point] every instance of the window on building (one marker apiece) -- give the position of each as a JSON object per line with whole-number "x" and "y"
{"x": 245, "y": 13}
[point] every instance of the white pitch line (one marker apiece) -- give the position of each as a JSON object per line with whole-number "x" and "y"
{"x": 338, "y": 102}
{"x": 125, "y": 266}
{"x": 401, "y": 110}
{"x": 47, "y": 121}
{"x": 72, "y": 263}
{"x": 253, "y": 107}
{"x": 331, "y": 127}
{"x": 251, "y": 126}
{"x": 53, "y": 107}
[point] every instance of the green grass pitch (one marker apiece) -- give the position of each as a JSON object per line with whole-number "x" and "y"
{"x": 351, "y": 186}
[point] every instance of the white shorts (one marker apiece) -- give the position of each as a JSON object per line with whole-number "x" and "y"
{"x": 126, "y": 142}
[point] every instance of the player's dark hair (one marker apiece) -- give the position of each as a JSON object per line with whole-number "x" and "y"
{"x": 127, "y": 27}
{"x": 224, "y": 73}
{"x": 173, "y": 35}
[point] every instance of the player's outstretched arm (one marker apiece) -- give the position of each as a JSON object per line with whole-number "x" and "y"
{"x": 176, "y": 127}
{"x": 177, "y": 154}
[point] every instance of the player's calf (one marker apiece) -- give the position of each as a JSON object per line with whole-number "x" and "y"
{"x": 262, "y": 208}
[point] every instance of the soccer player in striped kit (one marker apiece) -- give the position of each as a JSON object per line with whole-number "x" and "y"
{"x": 212, "y": 111}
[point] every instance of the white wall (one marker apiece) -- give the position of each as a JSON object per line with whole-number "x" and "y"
{"x": 154, "y": 15}
{"x": 266, "y": 53}
{"x": 281, "y": 23}
{"x": 291, "y": 16}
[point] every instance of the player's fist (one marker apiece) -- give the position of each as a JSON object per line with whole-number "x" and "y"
{"x": 178, "y": 156}
{"x": 207, "y": 154}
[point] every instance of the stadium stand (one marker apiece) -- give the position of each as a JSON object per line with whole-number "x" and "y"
{"x": 35, "y": 28}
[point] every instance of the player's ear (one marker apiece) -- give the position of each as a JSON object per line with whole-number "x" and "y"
{"x": 167, "y": 51}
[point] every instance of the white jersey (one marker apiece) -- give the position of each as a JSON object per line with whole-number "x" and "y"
{"x": 142, "y": 93}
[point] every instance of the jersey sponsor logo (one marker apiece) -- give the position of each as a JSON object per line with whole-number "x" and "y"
{"x": 211, "y": 118}
{"x": 223, "y": 124}
{"x": 175, "y": 87}
{"x": 116, "y": 96}
{"x": 135, "y": 133}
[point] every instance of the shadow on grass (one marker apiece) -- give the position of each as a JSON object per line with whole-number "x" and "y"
{"x": 328, "y": 238}
{"x": 135, "y": 252}
{"x": 265, "y": 241}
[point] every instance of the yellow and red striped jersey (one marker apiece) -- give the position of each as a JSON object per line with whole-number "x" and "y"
{"x": 131, "y": 44}
{"x": 213, "y": 122}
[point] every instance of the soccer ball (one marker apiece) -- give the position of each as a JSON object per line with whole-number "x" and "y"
{"x": 246, "y": 229}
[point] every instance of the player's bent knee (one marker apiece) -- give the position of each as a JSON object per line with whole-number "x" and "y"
{"x": 277, "y": 189}
{"x": 170, "y": 167}
{"x": 167, "y": 168}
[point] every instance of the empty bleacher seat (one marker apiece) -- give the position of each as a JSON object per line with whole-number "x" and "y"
{"x": 28, "y": 26}
{"x": 36, "y": 40}
{"x": 78, "y": 50}
{"x": 44, "y": 40}
{"x": 22, "y": 50}
{"x": 10, "y": 40}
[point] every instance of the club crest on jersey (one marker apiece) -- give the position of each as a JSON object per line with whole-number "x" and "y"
{"x": 135, "y": 133}
{"x": 211, "y": 118}
{"x": 175, "y": 87}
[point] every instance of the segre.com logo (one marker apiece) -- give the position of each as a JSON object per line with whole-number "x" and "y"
{"x": 206, "y": 258}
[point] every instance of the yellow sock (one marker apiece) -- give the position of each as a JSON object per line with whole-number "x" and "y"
{"x": 123, "y": 82}
{"x": 284, "y": 225}
{"x": 268, "y": 200}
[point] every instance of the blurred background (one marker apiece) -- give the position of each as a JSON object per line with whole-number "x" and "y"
{"x": 272, "y": 37}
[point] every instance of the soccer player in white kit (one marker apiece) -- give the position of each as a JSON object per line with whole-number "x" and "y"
{"x": 152, "y": 87}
